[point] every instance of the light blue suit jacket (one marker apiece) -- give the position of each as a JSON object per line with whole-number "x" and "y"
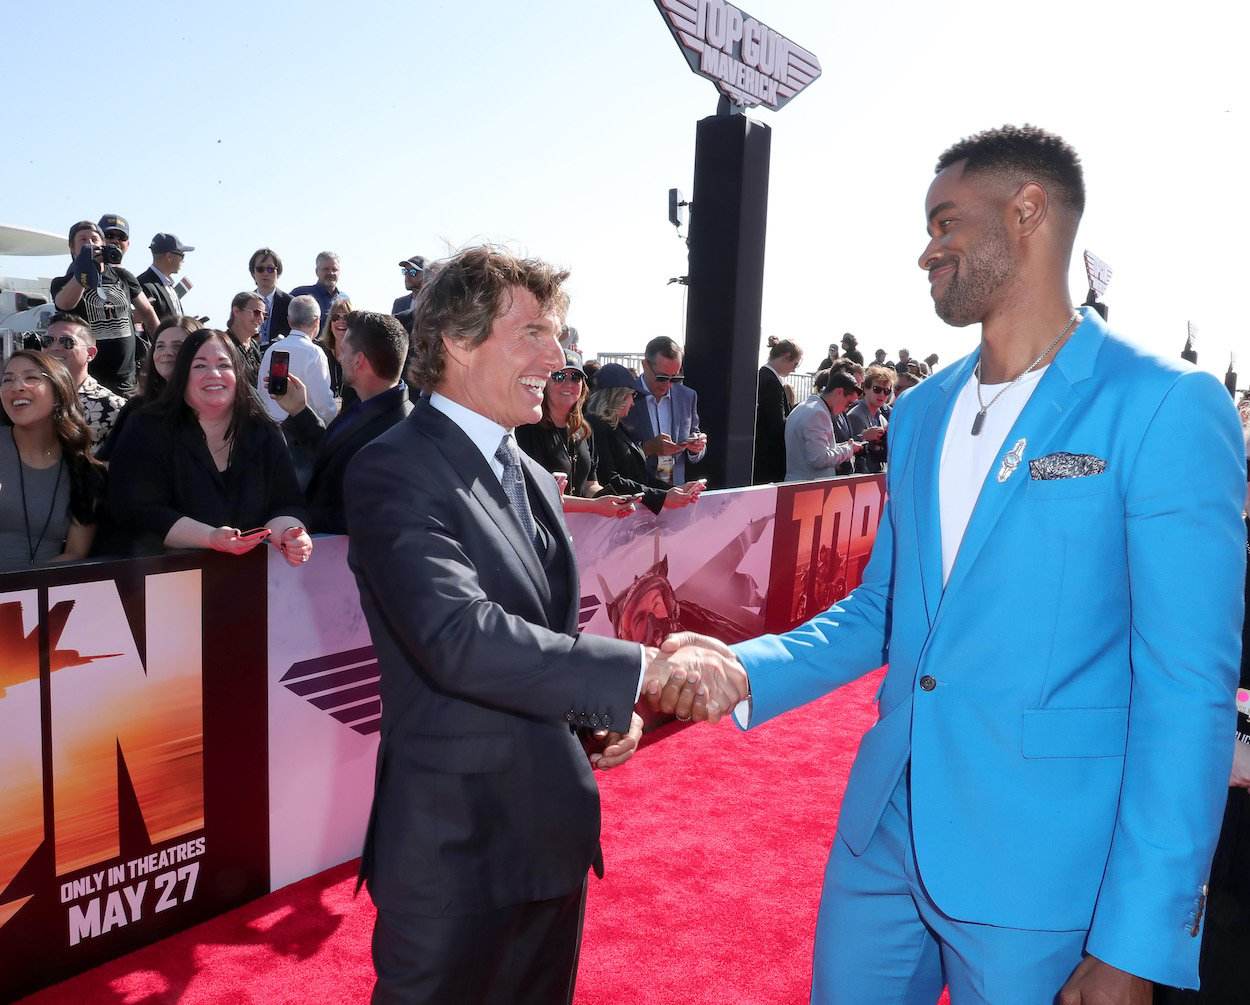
{"x": 685, "y": 421}
{"x": 1066, "y": 702}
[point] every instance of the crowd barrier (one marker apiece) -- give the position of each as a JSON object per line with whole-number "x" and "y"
{"x": 182, "y": 734}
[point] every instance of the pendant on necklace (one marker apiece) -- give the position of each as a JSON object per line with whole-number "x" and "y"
{"x": 978, "y": 422}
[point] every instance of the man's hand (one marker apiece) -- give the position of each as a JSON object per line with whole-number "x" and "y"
{"x": 296, "y": 398}
{"x": 1094, "y": 982}
{"x": 695, "y": 677}
{"x": 872, "y": 433}
{"x": 697, "y": 443}
{"x": 87, "y": 268}
{"x": 619, "y": 747}
{"x": 662, "y": 446}
{"x": 1240, "y": 777}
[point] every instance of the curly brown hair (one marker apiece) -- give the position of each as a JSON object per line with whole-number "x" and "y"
{"x": 464, "y": 294}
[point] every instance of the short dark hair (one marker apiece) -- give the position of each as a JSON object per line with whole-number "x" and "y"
{"x": 464, "y": 296}
{"x": 661, "y": 345}
{"x": 839, "y": 380}
{"x": 66, "y": 318}
{"x": 382, "y": 339}
{"x": 260, "y": 253}
{"x": 1023, "y": 153}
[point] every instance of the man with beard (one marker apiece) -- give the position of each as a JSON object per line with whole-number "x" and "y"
{"x": 1032, "y": 818}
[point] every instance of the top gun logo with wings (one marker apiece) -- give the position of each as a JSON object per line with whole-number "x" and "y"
{"x": 749, "y": 62}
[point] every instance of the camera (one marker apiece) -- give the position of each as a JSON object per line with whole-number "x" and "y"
{"x": 111, "y": 254}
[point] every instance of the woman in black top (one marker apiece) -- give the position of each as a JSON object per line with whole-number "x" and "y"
{"x": 247, "y": 315}
{"x": 622, "y": 464}
{"x": 155, "y": 376}
{"x": 562, "y": 443}
{"x": 205, "y": 466}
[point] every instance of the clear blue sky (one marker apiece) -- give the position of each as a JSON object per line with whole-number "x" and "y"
{"x": 380, "y": 130}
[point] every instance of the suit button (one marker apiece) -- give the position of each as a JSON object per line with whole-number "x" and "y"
{"x": 594, "y": 720}
{"x": 927, "y": 683}
{"x": 570, "y": 716}
{"x": 605, "y": 720}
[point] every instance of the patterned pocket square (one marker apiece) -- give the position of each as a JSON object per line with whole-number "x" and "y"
{"x": 1064, "y": 465}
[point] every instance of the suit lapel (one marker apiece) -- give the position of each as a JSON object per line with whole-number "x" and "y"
{"x": 553, "y": 517}
{"x": 468, "y": 463}
{"x": 1042, "y": 419}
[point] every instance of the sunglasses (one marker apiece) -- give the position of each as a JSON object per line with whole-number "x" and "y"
{"x": 335, "y": 318}
{"x": 560, "y": 376}
{"x": 412, "y": 272}
{"x": 115, "y": 235}
{"x": 269, "y": 270}
{"x": 67, "y": 342}
{"x": 258, "y": 312}
{"x": 879, "y": 389}
{"x": 663, "y": 378}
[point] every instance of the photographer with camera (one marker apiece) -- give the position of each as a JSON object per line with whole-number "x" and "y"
{"x": 869, "y": 416}
{"x": 97, "y": 289}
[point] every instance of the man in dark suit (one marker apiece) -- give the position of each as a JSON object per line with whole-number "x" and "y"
{"x": 485, "y": 816}
{"x": 772, "y": 405}
{"x": 372, "y": 355}
{"x": 157, "y": 280}
{"x": 266, "y": 268}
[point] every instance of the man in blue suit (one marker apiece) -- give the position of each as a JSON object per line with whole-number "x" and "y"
{"x": 1056, "y": 586}
{"x": 665, "y": 418}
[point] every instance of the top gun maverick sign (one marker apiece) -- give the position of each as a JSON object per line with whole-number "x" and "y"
{"x": 749, "y": 62}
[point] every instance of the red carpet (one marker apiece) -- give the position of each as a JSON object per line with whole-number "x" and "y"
{"x": 715, "y": 843}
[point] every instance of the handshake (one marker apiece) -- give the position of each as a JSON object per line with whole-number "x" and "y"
{"x": 694, "y": 677}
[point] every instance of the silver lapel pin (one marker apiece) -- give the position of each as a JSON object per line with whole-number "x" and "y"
{"x": 1012, "y": 460}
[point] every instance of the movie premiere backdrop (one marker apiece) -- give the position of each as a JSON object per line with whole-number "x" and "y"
{"x": 180, "y": 735}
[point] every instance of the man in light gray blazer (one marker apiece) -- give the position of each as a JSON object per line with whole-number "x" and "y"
{"x": 812, "y": 450}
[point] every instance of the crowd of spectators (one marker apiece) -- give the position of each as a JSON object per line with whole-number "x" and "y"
{"x": 841, "y": 428}
{"x": 136, "y": 428}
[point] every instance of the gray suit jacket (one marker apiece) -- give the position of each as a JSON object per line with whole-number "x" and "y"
{"x": 685, "y": 421}
{"x": 484, "y": 796}
{"x": 812, "y": 451}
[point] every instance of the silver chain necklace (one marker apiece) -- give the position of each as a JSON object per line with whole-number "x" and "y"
{"x": 979, "y": 421}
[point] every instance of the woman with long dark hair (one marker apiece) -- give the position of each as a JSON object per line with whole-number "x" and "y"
{"x": 155, "y": 376}
{"x": 51, "y": 488}
{"x": 204, "y": 466}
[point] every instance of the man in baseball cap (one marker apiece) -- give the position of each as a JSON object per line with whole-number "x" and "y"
{"x": 116, "y": 231}
{"x": 414, "y": 279}
{"x": 157, "y": 281}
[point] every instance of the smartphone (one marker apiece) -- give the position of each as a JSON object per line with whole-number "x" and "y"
{"x": 279, "y": 368}
{"x": 259, "y": 534}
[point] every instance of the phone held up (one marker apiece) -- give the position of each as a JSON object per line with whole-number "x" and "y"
{"x": 279, "y": 368}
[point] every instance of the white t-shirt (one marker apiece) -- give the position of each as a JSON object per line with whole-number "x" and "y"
{"x": 968, "y": 460}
